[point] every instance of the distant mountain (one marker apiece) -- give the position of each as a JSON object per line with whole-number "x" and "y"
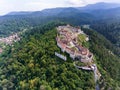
{"x": 105, "y": 10}
{"x": 45, "y": 12}
{"x": 19, "y": 13}
{"x": 53, "y": 11}
{"x": 101, "y": 5}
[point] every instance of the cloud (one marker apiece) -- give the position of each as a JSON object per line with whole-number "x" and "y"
{"x": 77, "y": 2}
{"x": 39, "y": 5}
{"x": 5, "y": 6}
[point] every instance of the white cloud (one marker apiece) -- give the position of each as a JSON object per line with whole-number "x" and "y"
{"x": 39, "y": 5}
{"x": 5, "y": 6}
{"x": 76, "y": 2}
{"x": 2, "y": 2}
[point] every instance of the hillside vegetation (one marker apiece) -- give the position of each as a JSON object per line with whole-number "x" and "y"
{"x": 110, "y": 29}
{"x": 31, "y": 64}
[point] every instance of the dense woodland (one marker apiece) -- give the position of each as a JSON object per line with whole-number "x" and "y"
{"x": 11, "y": 25}
{"x": 31, "y": 64}
{"x": 110, "y": 29}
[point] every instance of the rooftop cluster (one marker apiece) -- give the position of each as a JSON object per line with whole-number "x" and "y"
{"x": 69, "y": 40}
{"x": 9, "y": 40}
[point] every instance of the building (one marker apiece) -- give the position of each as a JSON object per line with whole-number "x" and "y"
{"x": 67, "y": 40}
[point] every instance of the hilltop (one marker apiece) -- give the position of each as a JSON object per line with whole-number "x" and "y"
{"x": 70, "y": 40}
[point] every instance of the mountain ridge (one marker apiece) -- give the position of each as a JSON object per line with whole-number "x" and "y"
{"x": 97, "y": 6}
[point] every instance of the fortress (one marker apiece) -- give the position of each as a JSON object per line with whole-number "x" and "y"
{"x": 68, "y": 40}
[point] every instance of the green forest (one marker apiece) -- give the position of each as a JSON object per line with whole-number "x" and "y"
{"x": 30, "y": 64}
{"x": 110, "y": 29}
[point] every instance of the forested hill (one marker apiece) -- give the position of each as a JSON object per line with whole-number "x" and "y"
{"x": 30, "y": 64}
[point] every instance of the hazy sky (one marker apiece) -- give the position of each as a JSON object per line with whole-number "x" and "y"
{"x": 36, "y": 5}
